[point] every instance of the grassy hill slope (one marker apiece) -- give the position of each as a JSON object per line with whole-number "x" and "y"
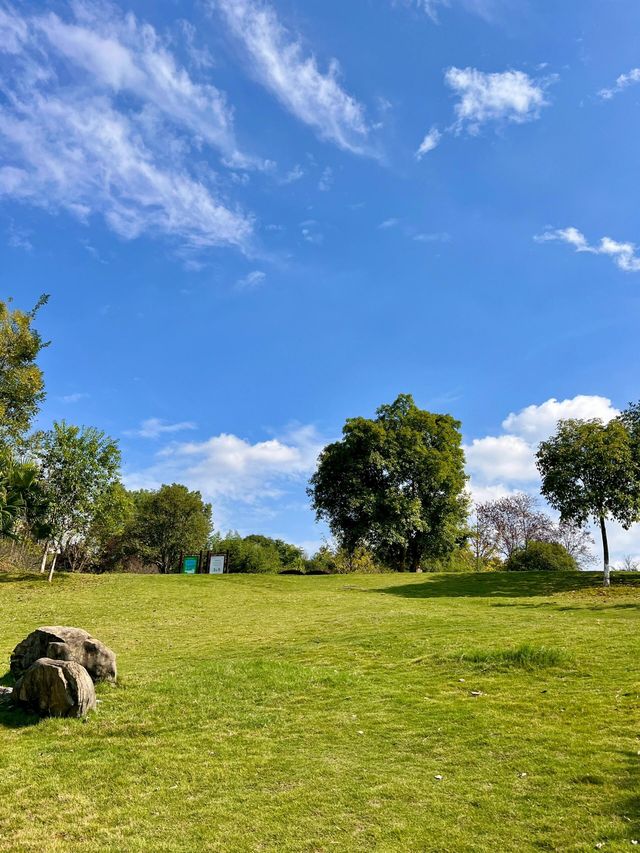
{"x": 259, "y": 713}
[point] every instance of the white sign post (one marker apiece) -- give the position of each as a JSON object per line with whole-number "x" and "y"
{"x": 216, "y": 564}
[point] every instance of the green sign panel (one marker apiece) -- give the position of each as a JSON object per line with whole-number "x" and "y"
{"x": 189, "y": 565}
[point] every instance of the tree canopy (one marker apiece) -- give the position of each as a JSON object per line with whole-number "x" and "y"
{"x": 589, "y": 471}
{"x": 21, "y": 380}
{"x": 79, "y": 466}
{"x": 394, "y": 484}
{"x": 168, "y": 522}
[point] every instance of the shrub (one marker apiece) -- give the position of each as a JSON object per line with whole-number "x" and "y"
{"x": 541, "y": 557}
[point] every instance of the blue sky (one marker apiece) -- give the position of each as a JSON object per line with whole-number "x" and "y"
{"x": 258, "y": 219}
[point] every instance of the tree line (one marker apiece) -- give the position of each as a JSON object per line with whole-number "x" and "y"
{"x": 393, "y": 491}
{"x": 396, "y": 485}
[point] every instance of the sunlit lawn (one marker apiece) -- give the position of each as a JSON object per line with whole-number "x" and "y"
{"x": 259, "y": 713}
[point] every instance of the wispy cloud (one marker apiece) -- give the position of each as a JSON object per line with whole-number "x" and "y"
{"x": 389, "y": 223}
{"x": 623, "y": 82}
{"x": 623, "y": 254}
{"x": 326, "y": 180}
{"x": 253, "y": 279}
{"x": 431, "y": 141}
{"x": 281, "y": 63}
{"x": 68, "y": 142}
{"x": 489, "y": 10}
{"x": 155, "y": 427}
{"x": 18, "y": 238}
{"x": 293, "y": 175}
{"x": 507, "y": 96}
{"x": 311, "y": 232}
{"x": 74, "y": 398}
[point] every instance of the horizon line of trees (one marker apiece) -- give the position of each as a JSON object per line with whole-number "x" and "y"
{"x": 393, "y": 491}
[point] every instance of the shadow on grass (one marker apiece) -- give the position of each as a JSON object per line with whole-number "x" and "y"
{"x": 497, "y": 584}
{"x": 17, "y": 577}
{"x": 10, "y": 717}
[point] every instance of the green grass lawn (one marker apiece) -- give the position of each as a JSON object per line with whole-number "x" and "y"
{"x": 259, "y": 713}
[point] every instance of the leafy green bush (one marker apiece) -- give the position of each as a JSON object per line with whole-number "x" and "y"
{"x": 257, "y": 554}
{"x": 541, "y": 557}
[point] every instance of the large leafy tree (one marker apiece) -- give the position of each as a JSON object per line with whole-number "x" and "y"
{"x": 21, "y": 380}
{"x": 394, "y": 484}
{"x": 80, "y": 465}
{"x": 168, "y": 522}
{"x": 590, "y": 472}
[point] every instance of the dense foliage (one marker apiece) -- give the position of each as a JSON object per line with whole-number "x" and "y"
{"x": 541, "y": 557}
{"x": 21, "y": 380}
{"x": 394, "y": 484}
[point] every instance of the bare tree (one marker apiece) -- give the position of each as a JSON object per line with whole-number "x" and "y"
{"x": 515, "y": 521}
{"x": 578, "y": 542}
{"x": 630, "y": 564}
{"x": 482, "y": 537}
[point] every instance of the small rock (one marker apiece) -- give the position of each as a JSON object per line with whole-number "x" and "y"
{"x": 438, "y": 777}
{"x": 477, "y": 693}
{"x": 360, "y": 732}
{"x": 461, "y": 679}
{"x": 523, "y": 775}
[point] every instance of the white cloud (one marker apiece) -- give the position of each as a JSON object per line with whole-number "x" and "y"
{"x": 623, "y": 82}
{"x": 536, "y": 423}
{"x": 281, "y": 64}
{"x": 126, "y": 56}
{"x": 431, "y": 141}
{"x": 623, "y": 254}
{"x": 504, "y": 464}
{"x": 74, "y": 398}
{"x": 251, "y": 280}
{"x": 155, "y": 427}
{"x": 69, "y": 143}
{"x": 499, "y": 458}
{"x": 228, "y": 467}
{"x": 389, "y": 223}
{"x": 326, "y": 180}
{"x": 311, "y": 233}
{"x": 432, "y": 237}
{"x": 486, "y": 9}
{"x": 508, "y": 96}
{"x": 13, "y": 32}
{"x": 510, "y": 458}
{"x": 293, "y": 175}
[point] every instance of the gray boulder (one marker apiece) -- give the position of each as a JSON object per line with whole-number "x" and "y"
{"x": 55, "y": 688}
{"x": 66, "y": 644}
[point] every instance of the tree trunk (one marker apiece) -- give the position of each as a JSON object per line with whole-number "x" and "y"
{"x": 52, "y": 567}
{"x": 605, "y": 550}
{"x": 43, "y": 564}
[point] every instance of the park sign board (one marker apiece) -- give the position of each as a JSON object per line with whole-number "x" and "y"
{"x": 190, "y": 564}
{"x": 216, "y": 564}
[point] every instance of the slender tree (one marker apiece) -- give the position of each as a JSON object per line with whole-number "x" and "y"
{"x": 589, "y": 471}
{"x": 79, "y": 465}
